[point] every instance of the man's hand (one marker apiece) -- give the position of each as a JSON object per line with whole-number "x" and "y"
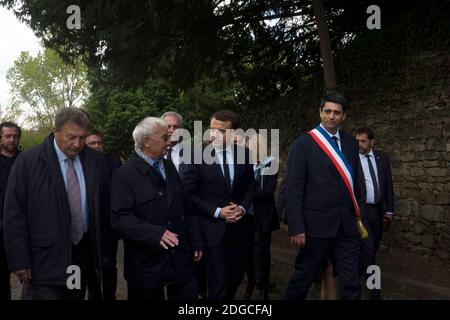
{"x": 231, "y": 213}
{"x": 237, "y": 213}
{"x": 169, "y": 239}
{"x": 299, "y": 240}
{"x": 23, "y": 275}
{"x": 198, "y": 255}
{"x": 387, "y": 221}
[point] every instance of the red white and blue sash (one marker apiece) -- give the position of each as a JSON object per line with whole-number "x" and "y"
{"x": 323, "y": 139}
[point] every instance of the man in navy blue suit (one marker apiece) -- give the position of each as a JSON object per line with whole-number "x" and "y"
{"x": 222, "y": 193}
{"x": 320, "y": 197}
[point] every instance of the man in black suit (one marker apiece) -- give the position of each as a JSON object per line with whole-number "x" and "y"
{"x": 56, "y": 196}
{"x": 220, "y": 187}
{"x": 377, "y": 197}
{"x": 152, "y": 214}
{"x": 319, "y": 206}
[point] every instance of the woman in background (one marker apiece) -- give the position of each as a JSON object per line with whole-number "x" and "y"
{"x": 264, "y": 211}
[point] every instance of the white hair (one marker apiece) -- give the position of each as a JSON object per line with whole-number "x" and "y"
{"x": 175, "y": 114}
{"x": 146, "y": 128}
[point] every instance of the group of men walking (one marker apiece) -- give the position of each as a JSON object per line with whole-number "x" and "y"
{"x": 187, "y": 224}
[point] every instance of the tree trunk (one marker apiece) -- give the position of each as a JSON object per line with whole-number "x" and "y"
{"x": 325, "y": 46}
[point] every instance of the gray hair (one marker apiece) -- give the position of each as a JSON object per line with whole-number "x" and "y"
{"x": 71, "y": 114}
{"x": 146, "y": 128}
{"x": 175, "y": 114}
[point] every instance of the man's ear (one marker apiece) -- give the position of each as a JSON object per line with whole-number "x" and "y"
{"x": 146, "y": 141}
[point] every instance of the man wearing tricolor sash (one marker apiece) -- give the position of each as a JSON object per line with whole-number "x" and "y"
{"x": 321, "y": 198}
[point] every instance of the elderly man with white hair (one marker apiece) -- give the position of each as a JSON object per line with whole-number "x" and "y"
{"x": 150, "y": 211}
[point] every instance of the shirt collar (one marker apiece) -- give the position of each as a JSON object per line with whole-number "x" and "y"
{"x": 227, "y": 149}
{"x": 176, "y": 147}
{"x": 337, "y": 135}
{"x": 142, "y": 155}
{"x": 368, "y": 154}
{"x": 61, "y": 155}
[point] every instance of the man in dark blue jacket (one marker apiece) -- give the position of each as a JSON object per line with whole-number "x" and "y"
{"x": 55, "y": 200}
{"x": 319, "y": 206}
{"x": 151, "y": 213}
{"x": 221, "y": 189}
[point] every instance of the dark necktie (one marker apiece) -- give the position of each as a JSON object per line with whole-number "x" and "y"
{"x": 373, "y": 176}
{"x": 226, "y": 170}
{"x": 335, "y": 139}
{"x": 169, "y": 154}
{"x": 158, "y": 168}
{"x": 74, "y": 196}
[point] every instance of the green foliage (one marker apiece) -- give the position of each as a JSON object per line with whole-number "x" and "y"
{"x": 116, "y": 113}
{"x": 44, "y": 84}
{"x": 31, "y": 138}
{"x": 267, "y": 46}
{"x": 369, "y": 68}
{"x": 259, "y": 58}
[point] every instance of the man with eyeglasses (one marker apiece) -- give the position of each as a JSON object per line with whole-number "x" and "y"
{"x": 155, "y": 219}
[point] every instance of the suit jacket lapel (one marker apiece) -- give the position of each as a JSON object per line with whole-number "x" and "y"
{"x": 56, "y": 176}
{"x": 170, "y": 183}
{"x": 380, "y": 171}
{"x": 236, "y": 168}
{"x": 90, "y": 172}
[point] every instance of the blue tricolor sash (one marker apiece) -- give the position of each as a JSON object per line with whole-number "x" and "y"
{"x": 323, "y": 140}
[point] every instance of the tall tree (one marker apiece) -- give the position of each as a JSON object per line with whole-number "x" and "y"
{"x": 325, "y": 46}
{"x": 43, "y": 84}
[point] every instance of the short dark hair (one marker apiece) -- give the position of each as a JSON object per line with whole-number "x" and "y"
{"x": 71, "y": 114}
{"x": 335, "y": 97}
{"x": 367, "y": 131}
{"x": 94, "y": 132}
{"x": 9, "y": 124}
{"x": 226, "y": 115}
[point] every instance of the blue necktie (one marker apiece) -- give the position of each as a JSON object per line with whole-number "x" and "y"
{"x": 335, "y": 139}
{"x": 157, "y": 168}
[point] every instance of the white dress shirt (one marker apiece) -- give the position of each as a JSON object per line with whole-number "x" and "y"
{"x": 175, "y": 155}
{"x": 370, "y": 193}
{"x": 80, "y": 175}
{"x": 337, "y": 135}
{"x": 230, "y": 163}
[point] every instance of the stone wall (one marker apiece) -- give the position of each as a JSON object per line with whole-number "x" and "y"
{"x": 412, "y": 124}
